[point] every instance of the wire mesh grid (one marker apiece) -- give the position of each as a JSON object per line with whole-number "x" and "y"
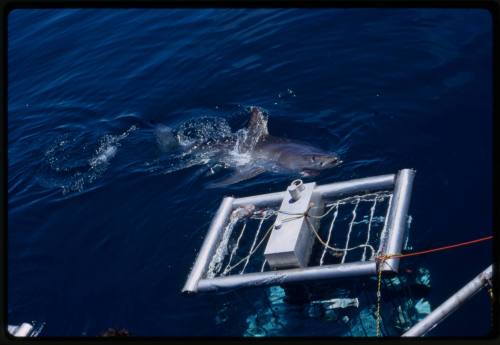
{"x": 356, "y": 226}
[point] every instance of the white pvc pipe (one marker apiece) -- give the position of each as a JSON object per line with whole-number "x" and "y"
{"x": 450, "y": 305}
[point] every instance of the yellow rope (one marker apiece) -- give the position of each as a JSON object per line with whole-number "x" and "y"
{"x": 268, "y": 231}
{"x": 230, "y": 268}
{"x": 379, "y": 293}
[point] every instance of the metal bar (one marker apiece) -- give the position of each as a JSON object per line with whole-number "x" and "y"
{"x": 269, "y": 199}
{"x": 398, "y": 217}
{"x": 288, "y": 276}
{"x": 328, "y": 190}
{"x": 450, "y": 305}
{"x": 366, "y": 184}
{"x": 383, "y": 234}
{"x": 209, "y": 245}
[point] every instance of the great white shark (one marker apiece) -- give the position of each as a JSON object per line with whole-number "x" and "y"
{"x": 262, "y": 152}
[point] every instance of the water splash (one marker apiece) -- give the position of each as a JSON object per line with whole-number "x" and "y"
{"x": 165, "y": 138}
{"x": 107, "y": 148}
{"x": 216, "y": 263}
{"x": 203, "y": 131}
{"x": 67, "y": 164}
{"x": 202, "y": 141}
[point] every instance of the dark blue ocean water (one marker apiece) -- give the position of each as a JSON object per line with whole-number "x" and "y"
{"x": 103, "y": 227}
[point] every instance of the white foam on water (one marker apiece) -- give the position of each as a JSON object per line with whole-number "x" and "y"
{"x": 201, "y": 139}
{"x": 221, "y": 251}
{"x": 237, "y": 159}
{"x": 202, "y": 130}
{"x": 108, "y": 148}
{"x": 107, "y": 153}
{"x": 69, "y": 166}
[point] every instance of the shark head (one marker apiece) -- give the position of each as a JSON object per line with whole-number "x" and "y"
{"x": 317, "y": 161}
{"x": 304, "y": 158}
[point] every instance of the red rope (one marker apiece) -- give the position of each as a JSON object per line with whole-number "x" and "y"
{"x": 440, "y": 248}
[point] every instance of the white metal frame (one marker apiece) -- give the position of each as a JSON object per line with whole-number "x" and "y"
{"x": 401, "y": 184}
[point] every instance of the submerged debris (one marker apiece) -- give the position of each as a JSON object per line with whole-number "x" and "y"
{"x": 336, "y": 303}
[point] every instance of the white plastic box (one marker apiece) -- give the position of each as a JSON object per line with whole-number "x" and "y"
{"x": 291, "y": 240}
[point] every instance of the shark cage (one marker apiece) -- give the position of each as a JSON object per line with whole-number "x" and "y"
{"x": 307, "y": 234}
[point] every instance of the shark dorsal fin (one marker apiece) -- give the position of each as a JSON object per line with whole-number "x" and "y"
{"x": 257, "y": 126}
{"x": 256, "y": 131}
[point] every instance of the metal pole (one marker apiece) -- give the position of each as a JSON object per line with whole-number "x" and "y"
{"x": 209, "y": 244}
{"x": 288, "y": 276}
{"x": 366, "y": 184}
{"x": 269, "y": 199}
{"x": 450, "y": 305}
{"x": 397, "y": 221}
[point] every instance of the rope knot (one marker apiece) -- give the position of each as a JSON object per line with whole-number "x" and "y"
{"x": 381, "y": 258}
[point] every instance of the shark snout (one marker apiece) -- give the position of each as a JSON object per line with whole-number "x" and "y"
{"x": 330, "y": 162}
